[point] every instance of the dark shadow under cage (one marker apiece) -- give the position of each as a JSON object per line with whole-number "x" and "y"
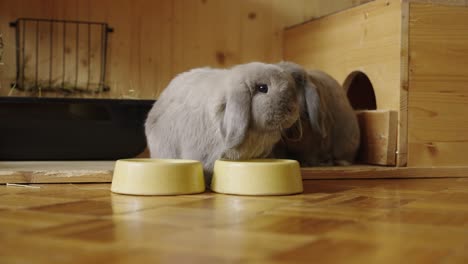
{"x": 61, "y": 55}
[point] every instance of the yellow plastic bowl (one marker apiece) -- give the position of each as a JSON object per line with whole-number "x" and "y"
{"x": 257, "y": 177}
{"x": 158, "y": 177}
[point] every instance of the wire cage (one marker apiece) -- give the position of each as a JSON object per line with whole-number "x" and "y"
{"x": 61, "y": 55}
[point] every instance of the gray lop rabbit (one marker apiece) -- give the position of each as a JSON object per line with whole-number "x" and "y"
{"x": 207, "y": 114}
{"x": 329, "y": 132}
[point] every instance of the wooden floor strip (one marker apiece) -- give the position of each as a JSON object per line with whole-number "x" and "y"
{"x": 333, "y": 221}
{"x": 101, "y": 171}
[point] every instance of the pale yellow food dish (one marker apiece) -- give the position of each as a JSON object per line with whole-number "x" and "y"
{"x": 158, "y": 177}
{"x": 257, "y": 177}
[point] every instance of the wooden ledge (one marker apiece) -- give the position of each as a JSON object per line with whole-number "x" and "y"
{"x": 379, "y": 172}
{"x": 56, "y": 171}
{"x": 101, "y": 171}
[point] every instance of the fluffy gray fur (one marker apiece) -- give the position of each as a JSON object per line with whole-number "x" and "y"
{"x": 206, "y": 114}
{"x": 330, "y": 130}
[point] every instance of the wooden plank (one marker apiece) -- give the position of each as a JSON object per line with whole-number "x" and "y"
{"x": 381, "y": 172}
{"x": 56, "y": 172}
{"x": 101, "y": 171}
{"x": 155, "y": 40}
{"x": 402, "y": 147}
{"x": 378, "y": 137}
{"x": 366, "y": 38}
{"x": 442, "y": 2}
{"x": 363, "y": 221}
{"x": 368, "y": 48}
{"x": 256, "y": 25}
{"x": 438, "y": 79}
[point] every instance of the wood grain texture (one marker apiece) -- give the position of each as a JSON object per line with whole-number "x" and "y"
{"x": 354, "y": 40}
{"x": 155, "y": 40}
{"x": 333, "y": 221}
{"x": 101, "y": 171}
{"x": 381, "y": 172}
{"x": 56, "y": 171}
{"x": 437, "y": 121}
{"x": 366, "y": 38}
{"x": 442, "y": 2}
{"x": 378, "y": 137}
{"x": 402, "y": 148}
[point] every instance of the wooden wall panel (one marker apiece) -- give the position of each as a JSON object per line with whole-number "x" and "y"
{"x": 438, "y": 105}
{"x": 367, "y": 39}
{"x": 155, "y": 40}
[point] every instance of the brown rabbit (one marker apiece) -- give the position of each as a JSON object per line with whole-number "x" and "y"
{"x": 329, "y": 132}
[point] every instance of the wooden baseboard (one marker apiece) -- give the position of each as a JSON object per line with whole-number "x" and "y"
{"x": 56, "y": 171}
{"x": 101, "y": 171}
{"x": 379, "y": 172}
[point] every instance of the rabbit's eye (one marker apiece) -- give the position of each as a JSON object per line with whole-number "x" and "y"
{"x": 263, "y": 88}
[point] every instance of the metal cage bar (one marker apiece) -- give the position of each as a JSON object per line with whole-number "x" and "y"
{"x": 69, "y": 82}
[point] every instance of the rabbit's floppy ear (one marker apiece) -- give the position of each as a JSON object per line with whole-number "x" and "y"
{"x": 309, "y": 96}
{"x": 297, "y": 72}
{"x": 314, "y": 106}
{"x": 235, "y": 122}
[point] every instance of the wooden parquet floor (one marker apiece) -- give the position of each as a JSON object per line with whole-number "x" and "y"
{"x": 333, "y": 221}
